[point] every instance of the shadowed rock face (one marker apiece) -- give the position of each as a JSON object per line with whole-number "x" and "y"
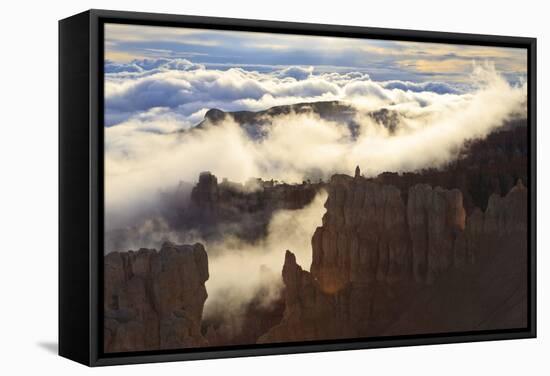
{"x": 221, "y": 208}
{"x": 154, "y": 300}
{"x": 414, "y": 253}
{"x": 254, "y": 123}
{"x": 381, "y": 265}
{"x": 244, "y": 328}
{"x": 226, "y": 200}
{"x": 211, "y": 210}
{"x": 482, "y": 168}
{"x": 370, "y": 233}
{"x": 385, "y": 266}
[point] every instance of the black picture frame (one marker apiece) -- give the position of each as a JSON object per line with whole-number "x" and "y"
{"x": 81, "y": 182}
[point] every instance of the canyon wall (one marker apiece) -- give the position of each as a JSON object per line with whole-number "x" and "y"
{"x": 154, "y": 300}
{"x": 243, "y": 210}
{"x": 480, "y": 169}
{"x": 383, "y": 265}
{"x": 227, "y": 199}
{"x": 384, "y": 262}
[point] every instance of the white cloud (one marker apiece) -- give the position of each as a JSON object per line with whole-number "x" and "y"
{"x": 185, "y": 87}
{"x": 435, "y": 87}
{"x": 365, "y": 89}
{"x": 230, "y": 259}
{"x": 298, "y": 73}
{"x": 142, "y": 155}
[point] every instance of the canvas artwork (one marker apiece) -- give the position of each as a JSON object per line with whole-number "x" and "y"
{"x": 271, "y": 188}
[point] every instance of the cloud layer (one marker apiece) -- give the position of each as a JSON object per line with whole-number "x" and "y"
{"x": 189, "y": 90}
{"x": 382, "y": 59}
{"x": 143, "y": 154}
{"x": 149, "y": 102}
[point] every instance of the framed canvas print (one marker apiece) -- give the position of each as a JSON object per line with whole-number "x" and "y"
{"x": 238, "y": 187}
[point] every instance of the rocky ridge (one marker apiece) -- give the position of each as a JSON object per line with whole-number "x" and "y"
{"x": 255, "y": 123}
{"x": 382, "y": 265}
{"x": 243, "y": 209}
{"x": 154, "y": 300}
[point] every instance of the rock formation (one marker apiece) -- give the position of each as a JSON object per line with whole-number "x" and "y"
{"x": 154, "y": 300}
{"x": 246, "y": 326}
{"x": 481, "y": 168}
{"x": 382, "y": 265}
{"x": 205, "y": 195}
{"x": 384, "y": 262}
{"x": 309, "y": 311}
{"x": 225, "y": 199}
{"x": 254, "y": 123}
{"x": 244, "y": 210}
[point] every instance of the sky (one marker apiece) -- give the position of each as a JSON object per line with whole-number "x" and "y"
{"x": 382, "y": 60}
{"x": 134, "y": 52}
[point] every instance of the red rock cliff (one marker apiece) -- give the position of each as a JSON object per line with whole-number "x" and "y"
{"x": 385, "y": 266}
{"x": 154, "y": 300}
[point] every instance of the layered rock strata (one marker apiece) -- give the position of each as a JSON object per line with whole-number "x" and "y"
{"x": 382, "y": 265}
{"x": 154, "y": 300}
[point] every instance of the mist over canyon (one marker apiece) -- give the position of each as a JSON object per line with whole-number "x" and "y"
{"x": 381, "y": 191}
{"x": 150, "y": 152}
{"x": 435, "y": 225}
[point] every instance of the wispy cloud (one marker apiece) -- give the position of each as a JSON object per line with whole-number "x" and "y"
{"x": 385, "y": 59}
{"x": 187, "y": 88}
{"x": 142, "y": 151}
